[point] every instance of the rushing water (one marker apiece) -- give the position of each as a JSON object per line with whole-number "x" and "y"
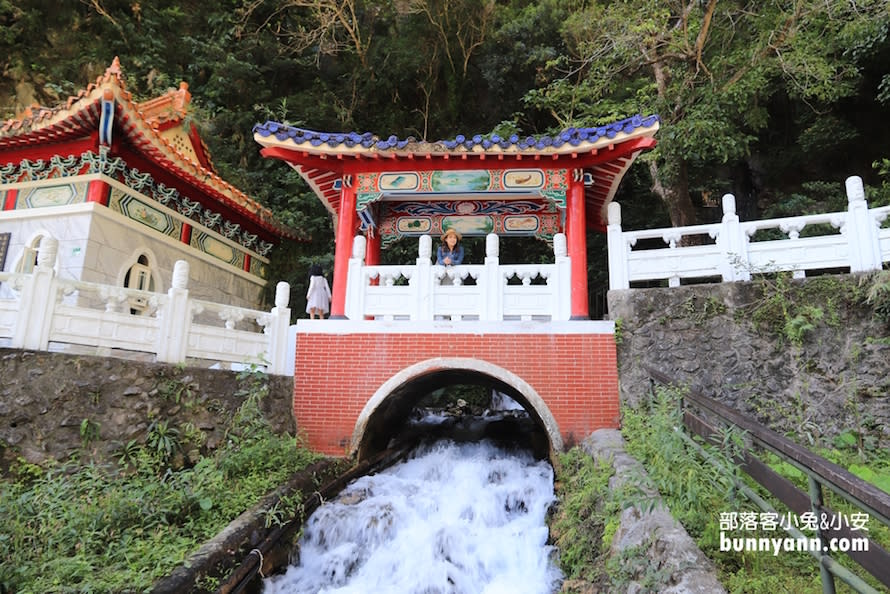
{"x": 453, "y": 518}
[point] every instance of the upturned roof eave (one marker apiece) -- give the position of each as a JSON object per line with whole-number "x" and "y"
{"x": 79, "y": 118}
{"x": 425, "y": 154}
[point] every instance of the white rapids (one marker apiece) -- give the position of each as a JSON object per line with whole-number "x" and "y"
{"x": 454, "y": 518}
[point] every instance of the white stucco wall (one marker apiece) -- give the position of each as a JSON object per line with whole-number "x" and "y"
{"x": 99, "y": 245}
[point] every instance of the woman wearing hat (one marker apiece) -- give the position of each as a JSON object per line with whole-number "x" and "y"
{"x": 450, "y": 252}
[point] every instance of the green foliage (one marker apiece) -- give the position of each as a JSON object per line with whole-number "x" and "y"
{"x": 162, "y": 440}
{"x": 475, "y": 396}
{"x": 89, "y": 432}
{"x": 756, "y": 100}
{"x": 136, "y": 521}
{"x": 619, "y": 330}
{"x": 174, "y": 389}
{"x": 785, "y": 308}
{"x": 579, "y": 526}
{"x": 690, "y": 483}
{"x": 632, "y": 566}
{"x": 797, "y": 327}
{"x": 653, "y": 436}
{"x": 878, "y": 478}
{"x": 697, "y": 492}
{"x": 700, "y": 311}
{"x": 878, "y": 294}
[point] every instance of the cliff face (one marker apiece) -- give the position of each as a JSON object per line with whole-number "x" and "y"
{"x": 808, "y": 358}
{"x": 53, "y": 405}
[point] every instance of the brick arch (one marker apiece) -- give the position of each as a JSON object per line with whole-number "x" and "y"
{"x": 528, "y": 396}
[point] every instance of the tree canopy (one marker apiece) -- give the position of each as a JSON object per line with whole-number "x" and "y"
{"x": 776, "y": 102}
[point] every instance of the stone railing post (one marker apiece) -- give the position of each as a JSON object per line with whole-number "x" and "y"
{"x": 618, "y": 249}
{"x": 733, "y": 244}
{"x": 492, "y": 284}
{"x": 175, "y": 318}
{"x": 38, "y": 302}
{"x": 860, "y": 229}
{"x": 562, "y": 278}
{"x": 356, "y": 284}
{"x": 278, "y": 329}
{"x": 422, "y": 280}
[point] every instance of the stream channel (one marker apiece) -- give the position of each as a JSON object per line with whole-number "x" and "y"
{"x": 454, "y": 517}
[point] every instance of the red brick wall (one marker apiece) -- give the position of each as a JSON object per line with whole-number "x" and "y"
{"x": 336, "y": 374}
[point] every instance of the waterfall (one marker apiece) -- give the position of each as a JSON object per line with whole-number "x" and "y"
{"x": 452, "y": 518}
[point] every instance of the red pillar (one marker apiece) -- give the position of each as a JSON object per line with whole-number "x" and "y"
{"x": 11, "y": 197}
{"x": 372, "y": 252}
{"x": 97, "y": 191}
{"x": 185, "y": 234}
{"x": 346, "y": 222}
{"x": 576, "y": 238}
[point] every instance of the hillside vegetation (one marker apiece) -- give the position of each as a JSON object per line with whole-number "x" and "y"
{"x": 774, "y": 102}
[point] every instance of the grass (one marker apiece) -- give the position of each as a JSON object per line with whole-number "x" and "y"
{"x": 697, "y": 493}
{"x": 86, "y": 527}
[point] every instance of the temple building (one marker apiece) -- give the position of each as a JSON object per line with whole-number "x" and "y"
{"x": 383, "y": 189}
{"x": 128, "y": 188}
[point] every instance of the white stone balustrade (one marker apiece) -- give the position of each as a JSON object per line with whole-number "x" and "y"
{"x": 40, "y": 313}
{"x": 488, "y": 291}
{"x": 855, "y": 241}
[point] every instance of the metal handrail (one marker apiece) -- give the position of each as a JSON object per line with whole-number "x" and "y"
{"x": 820, "y": 472}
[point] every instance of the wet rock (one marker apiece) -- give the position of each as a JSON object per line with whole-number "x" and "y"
{"x": 668, "y": 548}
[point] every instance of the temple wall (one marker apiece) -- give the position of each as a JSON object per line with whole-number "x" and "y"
{"x": 98, "y": 245}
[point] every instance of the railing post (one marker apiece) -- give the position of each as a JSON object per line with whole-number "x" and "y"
{"x": 175, "y": 318}
{"x": 422, "y": 281}
{"x": 355, "y": 281}
{"x": 816, "y": 503}
{"x": 860, "y": 229}
{"x": 492, "y": 285}
{"x": 278, "y": 329}
{"x": 733, "y": 244}
{"x": 618, "y": 248}
{"x": 562, "y": 278}
{"x": 38, "y": 302}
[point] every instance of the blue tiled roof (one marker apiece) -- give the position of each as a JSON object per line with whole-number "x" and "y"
{"x": 571, "y": 136}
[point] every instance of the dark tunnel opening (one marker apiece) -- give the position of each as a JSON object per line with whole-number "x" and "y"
{"x": 454, "y": 404}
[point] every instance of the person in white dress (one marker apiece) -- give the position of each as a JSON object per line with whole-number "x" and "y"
{"x": 318, "y": 296}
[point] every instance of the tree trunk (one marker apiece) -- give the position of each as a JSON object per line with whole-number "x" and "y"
{"x": 675, "y": 194}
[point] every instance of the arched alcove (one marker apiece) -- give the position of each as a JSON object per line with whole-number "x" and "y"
{"x": 389, "y": 407}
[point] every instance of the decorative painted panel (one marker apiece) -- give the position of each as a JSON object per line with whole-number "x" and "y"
{"x": 116, "y": 168}
{"x": 142, "y": 212}
{"x": 259, "y": 268}
{"x": 469, "y": 225}
{"x": 523, "y": 179}
{"x": 549, "y": 183}
{"x": 399, "y": 182}
{"x": 55, "y": 195}
{"x": 218, "y": 249}
{"x": 537, "y": 218}
{"x": 460, "y": 181}
{"x": 414, "y": 225}
{"x": 521, "y": 224}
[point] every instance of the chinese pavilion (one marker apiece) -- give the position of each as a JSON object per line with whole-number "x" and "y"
{"x": 388, "y": 188}
{"x": 128, "y": 188}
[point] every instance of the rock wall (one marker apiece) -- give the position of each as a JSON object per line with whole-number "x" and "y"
{"x": 53, "y": 405}
{"x": 806, "y": 357}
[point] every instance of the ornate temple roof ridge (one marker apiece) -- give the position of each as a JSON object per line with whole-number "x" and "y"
{"x": 568, "y": 139}
{"x": 142, "y": 123}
